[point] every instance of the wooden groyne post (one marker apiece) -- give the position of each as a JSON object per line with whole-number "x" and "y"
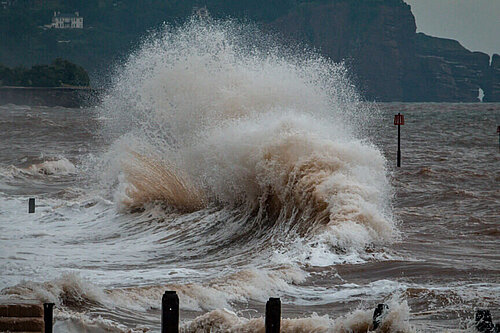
{"x": 31, "y": 205}
{"x": 379, "y": 314}
{"x": 48, "y": 316}
{"x": 498, "y": 131}
{"x": 21, "y": 316}
{"x": 273, "y": 315}
{"x": 484, "y": 322}
{"x": 170, "y": 312}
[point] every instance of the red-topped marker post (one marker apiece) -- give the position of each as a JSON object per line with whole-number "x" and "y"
{"x": 399, "y": 120}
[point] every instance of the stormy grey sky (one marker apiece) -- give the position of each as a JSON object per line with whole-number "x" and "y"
{"x": 474, "y": 23}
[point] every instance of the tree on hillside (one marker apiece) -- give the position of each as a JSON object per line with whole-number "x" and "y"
{"x": 59, "y": 73}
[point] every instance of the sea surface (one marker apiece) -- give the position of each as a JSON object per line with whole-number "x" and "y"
{"x": 231, "y": 175}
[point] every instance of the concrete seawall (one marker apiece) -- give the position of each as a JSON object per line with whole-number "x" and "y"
{"x": 70, "y": 97}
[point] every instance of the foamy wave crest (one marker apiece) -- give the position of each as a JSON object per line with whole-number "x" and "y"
{"x": 69, "y": 290}
{"x": 73, "y": 296}
{"x": 59, "y": 167}
{"x": 219, "y": 293}
{"x": 294, "y": 169}
{"x": 396, "y": 320}
{"x": 53, "y": 167}
{"x": 151, "y": 180}
{"x": 214, "y": 114}
{"x": 71, "y": 321}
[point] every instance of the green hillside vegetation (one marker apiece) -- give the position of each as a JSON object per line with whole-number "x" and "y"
{"x": 59, "y": 73}
{"x": 111, "y": 27}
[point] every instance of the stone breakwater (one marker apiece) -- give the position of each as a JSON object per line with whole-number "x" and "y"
{"x": 69, "y": 97}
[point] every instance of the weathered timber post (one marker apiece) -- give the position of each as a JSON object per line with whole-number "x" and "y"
{"x": 379, "y": 314}
{"x": 31, "y": 205}
{"x": 170, "y": 312}
{"x": 48, "y": 316}
{"x": 498, "y": 131}
{"x": 484, "y": 323}
{"x": 273, "y": 315}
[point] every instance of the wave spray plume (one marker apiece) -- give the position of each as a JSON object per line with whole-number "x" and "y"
{"x": 213, "y": 114}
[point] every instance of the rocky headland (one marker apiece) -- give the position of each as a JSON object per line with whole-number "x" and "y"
{"x": 377, "y": 39}
{"x": 389, "y": 60}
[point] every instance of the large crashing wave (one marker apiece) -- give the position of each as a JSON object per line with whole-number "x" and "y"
{"x": 214, "y": 114}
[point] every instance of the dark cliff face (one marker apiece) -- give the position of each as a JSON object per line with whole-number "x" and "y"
{"x": 449, "y": 72}
{"x": 492, "y": 90}
{"x": 389, "y": 60}
{"x": 373, "y": 37}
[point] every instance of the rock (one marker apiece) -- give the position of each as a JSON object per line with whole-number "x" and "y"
{"x": 448, "y": 72}
{"x": 388, "y": 59}
{"x": 492, "y": 92}
{"x": 373, "y": 37}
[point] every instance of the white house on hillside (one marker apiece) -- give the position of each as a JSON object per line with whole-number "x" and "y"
{"x": 201, "y": 12}
{"x": 66, "y": 21}
{"x": 6, "y": 3}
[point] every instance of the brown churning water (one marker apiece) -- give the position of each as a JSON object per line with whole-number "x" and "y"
{"x": 231, "y": 171}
